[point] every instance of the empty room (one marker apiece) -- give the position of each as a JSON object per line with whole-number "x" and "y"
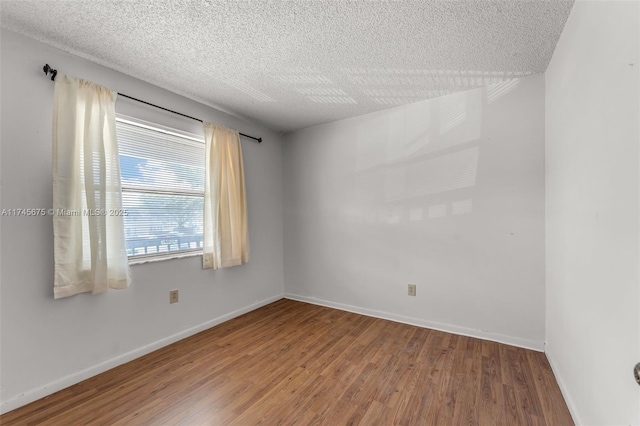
{"x": 322, "y": 212}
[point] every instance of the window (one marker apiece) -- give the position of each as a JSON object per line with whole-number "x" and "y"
{"x": 162, "y": 172}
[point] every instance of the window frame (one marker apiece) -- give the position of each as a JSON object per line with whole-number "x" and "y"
{"x": 174, "y": 254}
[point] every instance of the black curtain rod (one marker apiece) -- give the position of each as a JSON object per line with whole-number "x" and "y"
{"x": 48, "y": 70}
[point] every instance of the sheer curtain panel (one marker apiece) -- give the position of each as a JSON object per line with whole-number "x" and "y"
{"x": 88, "y": 227}
{"x": 226, "y": 237}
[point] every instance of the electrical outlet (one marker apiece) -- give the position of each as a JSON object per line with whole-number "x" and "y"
{"x": 411, "y": 290}
{"x": 173, "y": 296}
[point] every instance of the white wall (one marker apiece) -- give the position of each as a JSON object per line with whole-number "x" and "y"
{"x": 592, "y": 215}
{"x": 49, "y": 344}
{"x": 447, "y": 194}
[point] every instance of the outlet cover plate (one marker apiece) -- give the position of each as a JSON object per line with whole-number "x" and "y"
{"x": 411, "y": 290}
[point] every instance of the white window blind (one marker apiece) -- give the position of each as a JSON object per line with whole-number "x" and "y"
{"x": 162, "y": 189}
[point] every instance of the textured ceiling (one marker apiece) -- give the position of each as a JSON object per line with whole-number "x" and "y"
{"x": 294, "y": 64}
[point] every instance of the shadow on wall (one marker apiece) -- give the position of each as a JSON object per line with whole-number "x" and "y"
{"x": 407, "y": 160}
{"x": 411, "y": 206}
{"x": 445, "y": 194}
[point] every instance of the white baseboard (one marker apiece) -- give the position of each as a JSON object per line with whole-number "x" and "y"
{"x": 64, "y": 382}
{"x": 469, "y": 332}
{"x": 563, "y": 389}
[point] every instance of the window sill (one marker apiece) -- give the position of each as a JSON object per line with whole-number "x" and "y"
{"x": 139, "y": 260}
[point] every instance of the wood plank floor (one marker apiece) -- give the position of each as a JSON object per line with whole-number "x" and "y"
{"x": 292, "y": 363}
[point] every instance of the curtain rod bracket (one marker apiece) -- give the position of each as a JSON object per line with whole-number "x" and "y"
{"x": 47, "y": 69}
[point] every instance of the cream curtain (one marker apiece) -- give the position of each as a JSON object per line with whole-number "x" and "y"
{"x": 226, "y": 239}
{"x": 88, "y": 226}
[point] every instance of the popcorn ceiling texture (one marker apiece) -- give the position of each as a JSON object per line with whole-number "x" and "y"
{"x": 294, "y": 64}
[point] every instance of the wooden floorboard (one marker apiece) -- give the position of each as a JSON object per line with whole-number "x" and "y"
{"x": 292, "y": 363}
